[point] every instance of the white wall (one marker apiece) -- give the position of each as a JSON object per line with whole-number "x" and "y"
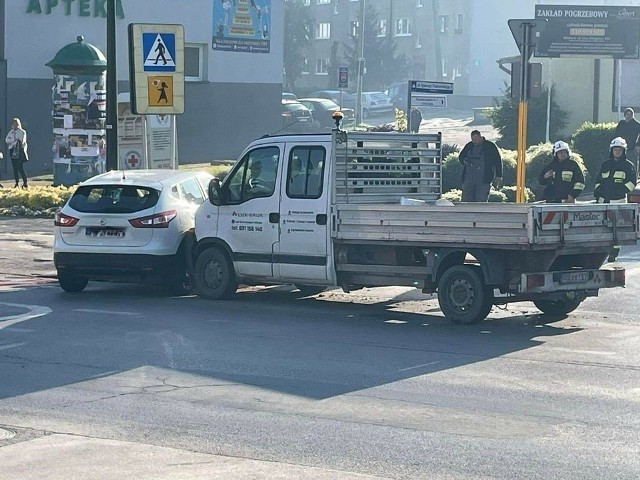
{"x": 34, "y": 39}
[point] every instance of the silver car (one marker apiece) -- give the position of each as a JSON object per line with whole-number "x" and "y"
{"x": 129, "y": 226}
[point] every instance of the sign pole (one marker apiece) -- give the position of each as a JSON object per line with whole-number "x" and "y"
{"x": 522, "y": 112}
{"x": 112, "y": 89}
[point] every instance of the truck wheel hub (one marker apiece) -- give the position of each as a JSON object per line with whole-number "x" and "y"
{"x": 461, "y": 294}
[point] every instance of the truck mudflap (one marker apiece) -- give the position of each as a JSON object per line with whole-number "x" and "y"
{"x": 571, "y": 280}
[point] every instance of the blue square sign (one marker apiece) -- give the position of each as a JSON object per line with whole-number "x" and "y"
{"x": 159, "y": 52}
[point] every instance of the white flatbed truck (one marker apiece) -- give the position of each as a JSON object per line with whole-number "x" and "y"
{"x": 359, "y": 210}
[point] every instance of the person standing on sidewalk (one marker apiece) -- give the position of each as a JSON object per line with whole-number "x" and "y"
{"x": 17, "y": 142}
{"x": 629, "y": 129}
{"x": 482, "y": 166}
{"x": 563, "y": 178}
{"x": 415, "y": 119}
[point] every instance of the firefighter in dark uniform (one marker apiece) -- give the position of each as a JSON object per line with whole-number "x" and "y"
{"x": 616, "y": 178}
{"x": 563, "y": 178}
{"x": 617, "y": 175}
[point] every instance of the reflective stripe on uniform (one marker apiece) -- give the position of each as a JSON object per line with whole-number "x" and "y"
{"x": 605, "y": 174}
{"x": 578, "y": 186}
{"x": 630, "y": 185}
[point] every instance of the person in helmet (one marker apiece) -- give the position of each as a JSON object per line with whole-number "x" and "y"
{"x": 563, "y": 178}
{"x": 617, "y": 175}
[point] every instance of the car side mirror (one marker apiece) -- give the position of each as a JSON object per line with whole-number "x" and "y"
{"x": 215, "y": 192}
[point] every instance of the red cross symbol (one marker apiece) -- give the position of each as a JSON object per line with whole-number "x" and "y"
{"x": 133, "y": 160}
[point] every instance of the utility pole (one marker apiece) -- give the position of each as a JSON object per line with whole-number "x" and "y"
{"x": 360, "y": 66}
{"x": 112, "y": 89}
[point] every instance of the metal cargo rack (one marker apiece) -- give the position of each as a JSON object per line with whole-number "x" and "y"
{"x": 379, "y": 168}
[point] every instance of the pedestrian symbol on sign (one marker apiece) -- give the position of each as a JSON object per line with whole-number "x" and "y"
{"x": 159, "y": 52}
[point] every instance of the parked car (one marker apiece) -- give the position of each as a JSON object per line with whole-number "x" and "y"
{"x": 289, "y": 96}
{"x": 348, "y": 99}
{"x": 296, "y": 117}
{"x": 129, "y": 226}
{"x": 398, "y": 92}
{"x": 375, "y": 103}
{"x": 322, "y": 110}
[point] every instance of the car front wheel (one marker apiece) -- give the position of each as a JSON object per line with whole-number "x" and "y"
{"x": 214, "y": 276}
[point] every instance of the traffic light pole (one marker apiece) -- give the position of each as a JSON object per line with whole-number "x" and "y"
{"x": 522, "y": 112}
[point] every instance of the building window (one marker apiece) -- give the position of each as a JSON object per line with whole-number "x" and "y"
{"x": 322, "y": 66}
{"x": 322, "y": 2}
{"x": 459, "y": 19}
{"x": 305, "y": 67}
{"x": 418, "y": 41}
{"x": 307, "y": 3}
{"x": 403, "y": 27}
{"x": 457, "y": 66}
{"x": 194, "y": 63}
{"x": 443, "y": 21}
{"x": 419, "y": 3}
{"x": 445, "y": 66}
{"x": 323, "y": 30}
{"x": 353, "y": 28}
{"x": 382, "y": 28}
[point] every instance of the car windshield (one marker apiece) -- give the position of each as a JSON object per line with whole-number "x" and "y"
{"x": 379, "y": 96}
{"x": 113, "y": 199}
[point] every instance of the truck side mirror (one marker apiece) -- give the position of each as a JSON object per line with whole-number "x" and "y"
{"x": 215, "y": 192}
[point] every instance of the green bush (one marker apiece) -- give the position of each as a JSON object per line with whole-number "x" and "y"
{"x": 504, "y": 117}
{"x": 510, "y": 193}
{"x": 591, "y": 140}
{"x": 509, "y": 162}
{"x": 454, "y": 195}
{"x": 497, "y": 196}
{"x": 451, "y": 172}
{"x": 34, "y": 201}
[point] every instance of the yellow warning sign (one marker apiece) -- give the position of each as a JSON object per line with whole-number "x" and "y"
{"x": 160, "y": 90}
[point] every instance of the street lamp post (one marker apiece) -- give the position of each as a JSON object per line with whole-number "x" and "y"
{"x": 360, "y": 66}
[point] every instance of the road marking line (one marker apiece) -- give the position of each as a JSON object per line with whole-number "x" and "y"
{"x": 418, "y": 366}
{"x": 106, "y": 312}
{"x": 34, "y": 312}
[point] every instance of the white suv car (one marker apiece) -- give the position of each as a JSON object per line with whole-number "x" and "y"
{"x": 129, "y": 226}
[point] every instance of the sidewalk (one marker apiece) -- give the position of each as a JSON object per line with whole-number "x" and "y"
{"x": 67, "y": 457}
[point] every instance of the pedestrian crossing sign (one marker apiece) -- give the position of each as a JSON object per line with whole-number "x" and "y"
{"x": 159, "y": 52}
{"x": 156, "y": 68}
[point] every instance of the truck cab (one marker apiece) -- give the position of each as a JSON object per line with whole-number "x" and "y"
{"x": 270, "y": 216}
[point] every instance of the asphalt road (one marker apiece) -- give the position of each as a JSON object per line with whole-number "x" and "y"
{"x": 121, "y": 381}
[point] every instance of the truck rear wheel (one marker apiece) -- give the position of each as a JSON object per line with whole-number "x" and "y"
{"x": 558, "y": 307}
{"x": 463, "y": 296}
{"x": 214, "y": 276}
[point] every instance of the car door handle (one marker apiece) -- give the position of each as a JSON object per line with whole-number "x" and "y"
{"x": 321, "y": 219}
{"x": 274, "y": 217}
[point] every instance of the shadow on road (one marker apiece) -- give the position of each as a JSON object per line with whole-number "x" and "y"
{"x": 265, "y": 337}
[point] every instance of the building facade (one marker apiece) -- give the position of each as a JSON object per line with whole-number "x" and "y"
{"x": 233, "y": 86}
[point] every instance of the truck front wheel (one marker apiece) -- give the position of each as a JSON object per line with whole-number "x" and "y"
{"x": 558, "y": 307}
{"x": 463, "y": 296}
{"x": 214, "y": 276}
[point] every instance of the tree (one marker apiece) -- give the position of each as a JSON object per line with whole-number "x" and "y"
{"x": 504, "y": 117}
{"x": 297, "y": 39}
{"x": 382, "y": 64}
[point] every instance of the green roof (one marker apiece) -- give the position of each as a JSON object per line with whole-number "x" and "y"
{"x": 78, "y": 57}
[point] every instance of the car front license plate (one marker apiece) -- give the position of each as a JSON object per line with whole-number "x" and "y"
{"x": 574, "y": 277}
{"x": 104, "y": 232}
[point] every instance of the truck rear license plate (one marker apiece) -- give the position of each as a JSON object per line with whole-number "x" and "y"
{"x": 574, "y": 277}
